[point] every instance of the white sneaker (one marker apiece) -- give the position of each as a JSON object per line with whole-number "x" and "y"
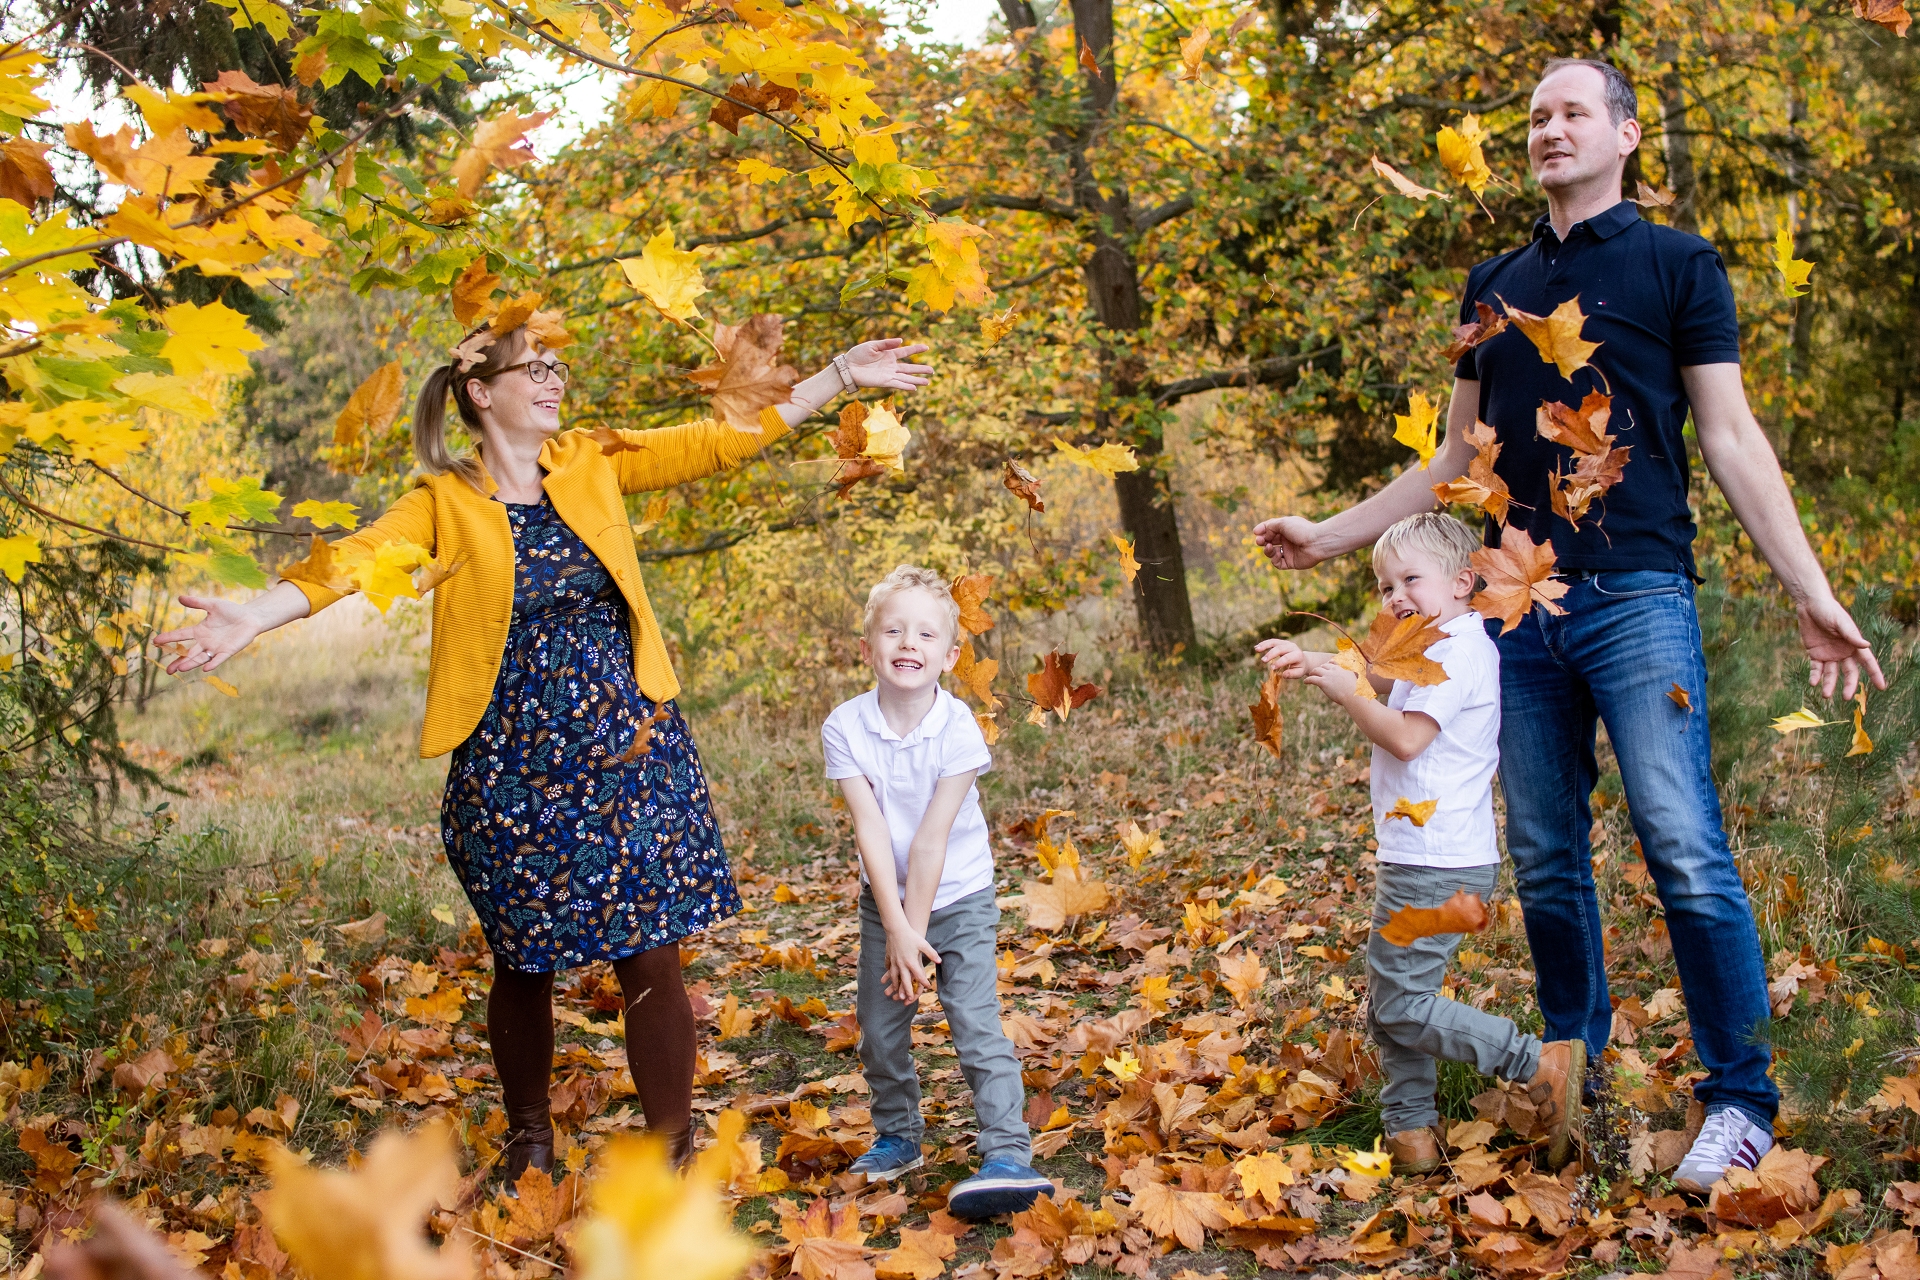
{"x": 1730, "y": 1139}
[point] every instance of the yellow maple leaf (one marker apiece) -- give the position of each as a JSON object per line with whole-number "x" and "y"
{"x": 1417, "y": 428}
{"x": 759, "y": 171}
{"x": 1264, "y": 1175}
{"x": 327, "y": 515}
{"x": 886, "y": 438}
{"x": 1125, "y": 1068}
{"x": 1418, "y": 812}
{"x": 369, "y": 1223}
{"x": 1109, "y": 459}
{"x": 1557, "y": 335}
{"x": 386, "y": 573}
{"x": 1139, "y": 844}
{"x": 1372, "y": 1164}
{"x": 1129, "y": 566}
{"x": 1793, "y": 271}
{"x": 16, "y": 553}
{"x": 1460, "y": 153}
{"x": 732, "y": 1020}
{"x": 209, "y": 339}
{"x": 667, "y": 277}
{"x": 993, "y": 328}
{"x": 167, "y": 111}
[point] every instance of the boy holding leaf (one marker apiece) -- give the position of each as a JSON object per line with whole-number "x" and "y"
{"x": 1436, "y": 745}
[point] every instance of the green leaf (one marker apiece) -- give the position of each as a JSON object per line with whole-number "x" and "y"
{"x": 854, "y": 288}
{"x": 241, "y": 499}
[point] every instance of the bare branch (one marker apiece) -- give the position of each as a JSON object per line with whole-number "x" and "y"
{"x": 1276, "y": 369}
{"x": 1148, "y": 219}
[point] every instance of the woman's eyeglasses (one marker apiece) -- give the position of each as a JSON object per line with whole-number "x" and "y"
{"x": 538, "y": 369}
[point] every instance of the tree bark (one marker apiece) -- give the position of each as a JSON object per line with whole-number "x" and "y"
{"x": 1677, "y": 143}
{"x": 1160, "y": 588}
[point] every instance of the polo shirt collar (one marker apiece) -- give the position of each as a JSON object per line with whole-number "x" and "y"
{"x": 931, "y": 723}
{"x": 1603, "y": 225}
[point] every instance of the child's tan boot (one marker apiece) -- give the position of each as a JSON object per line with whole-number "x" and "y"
{"x": 1414, "y": 1151}
{"x": 1555, "y": 1091}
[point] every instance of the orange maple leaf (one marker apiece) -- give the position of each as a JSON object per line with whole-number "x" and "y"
{"x": 1519, "y": 575}
{"x": 1891, "y": 14}
{"x": 1266, "y": 715}
{"x": 1024, "y": 485}
{"x": 970, "y": 592}
{"x": 748, "y": 376}
{"x": 1396, "y": 649}
{"x": 1462, "y": 913}
{"x": 922, "y": 1255}
{"x": 1481, "y": 487}
{"x": 1556, "y": 335}
{"x": 473, "y": 292}
{"x": 1418, "y": 812}
{"x": 1583, "y": 430}
{"x": 373, "y": 405}
{"x": 1052, "y": 687}
{"x": 975, "y": 675}
{"x": 500, "y": 143}
{"x": 1490, "y": 324}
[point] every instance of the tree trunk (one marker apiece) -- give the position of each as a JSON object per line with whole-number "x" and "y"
{"x": 1160, "y": 588}
{"x": 1676, "y": 141}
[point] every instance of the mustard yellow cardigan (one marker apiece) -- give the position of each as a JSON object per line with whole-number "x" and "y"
{"x": 472, "y": 609}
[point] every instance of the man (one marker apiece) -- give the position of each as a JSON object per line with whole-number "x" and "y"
{"x": 1659, "y": 303}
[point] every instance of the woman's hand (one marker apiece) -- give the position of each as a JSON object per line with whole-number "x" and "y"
{"x": 880, "y": 364}
{"x": 229, "y": 626}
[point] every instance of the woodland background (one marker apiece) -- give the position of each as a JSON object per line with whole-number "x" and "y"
{"x": 1199, "y": 263}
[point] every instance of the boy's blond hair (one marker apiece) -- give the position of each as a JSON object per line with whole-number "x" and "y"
{"x": 908, "y": 577}
{"x": 1449, "y": 542}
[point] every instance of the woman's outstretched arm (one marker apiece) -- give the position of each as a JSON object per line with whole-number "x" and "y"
{"x": 231, "y": 626}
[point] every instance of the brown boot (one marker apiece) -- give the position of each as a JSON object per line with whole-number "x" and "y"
{"x": 529, "y": 1143}
{"x": 1555, "y": 1091}
{"x": 1414, "y": 1150}
{"x": 679, "y": 1147}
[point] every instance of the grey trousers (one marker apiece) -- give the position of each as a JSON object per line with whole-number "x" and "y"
{"x": 964, "y": 934}
{"x": 1408, "y": 1018}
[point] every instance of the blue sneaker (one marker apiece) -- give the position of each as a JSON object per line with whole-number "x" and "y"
{"x": 1003, "y": 1185}
{"x": 888, "y": 1157}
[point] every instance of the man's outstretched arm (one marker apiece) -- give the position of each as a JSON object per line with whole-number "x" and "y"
{"x": 1295, "y": 542}
{"x": 1741, "y": 461}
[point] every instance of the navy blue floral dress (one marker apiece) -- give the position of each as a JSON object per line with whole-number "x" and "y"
{"x": 571, "y": 847}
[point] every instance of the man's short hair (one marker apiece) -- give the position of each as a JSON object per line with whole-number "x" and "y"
{"x": 907, "y": 578}
{"x": 1450, "y": 543}
{"x": 1622, "y": 102}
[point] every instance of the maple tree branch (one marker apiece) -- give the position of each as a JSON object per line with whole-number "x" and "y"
{"x": 1271, "y": 370}
{"x": 41, "y": 511}
{"x": 1167, "y": 212}
{"x": 1167, "y": 128}
{"x": 1420, "y": 102}
{"x": 1019, "y": 204}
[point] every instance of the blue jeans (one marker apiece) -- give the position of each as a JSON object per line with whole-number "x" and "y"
{"x": 1624, "y": 642}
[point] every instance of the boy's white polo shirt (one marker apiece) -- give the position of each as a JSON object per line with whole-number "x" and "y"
{"x": 903, "y": 772}
{"x": 1458, "y": 765}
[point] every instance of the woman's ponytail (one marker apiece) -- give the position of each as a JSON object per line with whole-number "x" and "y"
{"x": 471, "y": 359}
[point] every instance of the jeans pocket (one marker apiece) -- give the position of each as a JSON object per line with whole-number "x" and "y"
{"x": 1638, "y": 584}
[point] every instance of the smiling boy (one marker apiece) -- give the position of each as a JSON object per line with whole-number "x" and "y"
{"x": 1435, "y": 743}
{"x": 905, "y": 754}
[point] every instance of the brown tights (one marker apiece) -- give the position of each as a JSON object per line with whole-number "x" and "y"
{"x": 660, "y": 1040}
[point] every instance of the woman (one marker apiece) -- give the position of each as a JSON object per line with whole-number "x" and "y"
{"x": 576, "y": 812}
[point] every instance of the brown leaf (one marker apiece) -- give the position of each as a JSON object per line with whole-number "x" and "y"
{"x": 1556, "y": 335}
{"x": 1519, "y": 575}
{"x": 1482, "y": 487}
{"x": 1088, "y": 62}
{"x": 1583, "y": 430}
{"x": 473, "y": 292}
{"x": 1891, "y": 14}
{"x": 1653, "y": 197}
{"x": 1681, "y": 697}
{"x": 1403, "y": 184}
{"x": 270, "y": 111}
{"x": 25, "y": 175}
{"x": 1396, "y": 648}
{"x": 367, "y": 932}
{"x": 1462, "y": 913}
{"x": 149, "y": 1070}
{"x": 612, "y": 442}
{"x": 849, "y": 439}
{"x": 512, "y": 315}
{"x": 643, "y": 735}
{"x": 1052, "y": 686}
{"x": 373, "y": 405}
{"x": 1266, "y": 715}
{"x": 970, "y": 592}
{"x": 549, "y": 329}
{"x": 120, "y": 1248}
{"x": 1024, "y": 485}
{"x": 319, "y": 567}
{"x": 1246, "y": 19}
{"x": 500, "y": 143}
{"x": 748, "y": 376}
{"x": 1489, "y": 324}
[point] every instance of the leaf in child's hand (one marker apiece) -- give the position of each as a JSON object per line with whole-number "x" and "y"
{"x": 1489, "y": 324}
{"x": 1415, "y": 811}
{"x": 1052, "y": 687}
{"x": 1462, "y": 913}
{"x": 970, "y": 592}
{"x": 1397, "y": 648}
{"x": 1348, "y": 657}
{"x": 1024, "y": 485}
{"x": 1519, "y": 575}
{"x": 1266, "y": 715}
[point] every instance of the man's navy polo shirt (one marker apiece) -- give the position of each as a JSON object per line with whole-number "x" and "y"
{"x": 1656, "y": 299}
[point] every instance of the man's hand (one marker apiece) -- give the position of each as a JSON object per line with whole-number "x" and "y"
{"x": 1288, "y": 542}
{"x": 904, "y": 976}
{"x": 1835, "y": 648}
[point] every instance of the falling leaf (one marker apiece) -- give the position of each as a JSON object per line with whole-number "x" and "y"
{"x": 1460, "y": 153}
{"x": 373, "y": 406}
{"x": 1653, "y": 197}
{"x": 1519, "y": 575}
{"x": 499, "y": 143}
{"x": 1891, "y": 14}
{"x": 1862, "y": 745}
{"x": 318, "y": 568}
{"x": 1403, "y": 184}
{"x": 1481, "y": 488}
{"x": 1375, "y": 1163}
{"x": 1024, "y": 485}
{"x": 1416, "y": 428}
{"x": 1583, "y": 430}
{"x": 970, "y": 592}
{"x": 1573, "y": 492}
{"x": 1557, "y": 335}
{"x": 327, "y": 515}
{"x": 1266, "y": 714}
{"x": 222, "y": 686}
{"x": 1109, "y": 459}
{"x": 548, "y": 329}
{"x": 1129, "y": 567}
{"x": 886, "y": 439}
{"x": 1246, "y": 19}
{"x": 1680, "y": 697}
{"x": 1462, "y": 913}
{"x": 369, "y": 1223}
{"x": 1192, "y": 50}
{"x": 1798, "y": 720}
{"x": 647, "y": 1221}
{"x": 1396, "y": 649}
{"x": 512, "y": 315}
{"x": 643, "y": 728}
{"x": 1418, "y": 812}
{"x": 657, "y": 508}
{"x": 25, "y": 175}
{"x": 1487, "y": 325}
{"x": 1052, "y": 686}
{"x": 667, "y": 277}
{"x": 975, "y": 675}
{"x": 1087, "y": 61}
{"x": 1793, "y": 271}
{"x": 748, "y": 376}
{"x": 994, "y": 328}
{"x": 16, "y": 553}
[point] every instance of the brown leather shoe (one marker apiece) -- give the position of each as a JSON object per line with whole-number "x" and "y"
{"x": 1414, "y": 1151}
{"x": 1555, "y": 1091}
